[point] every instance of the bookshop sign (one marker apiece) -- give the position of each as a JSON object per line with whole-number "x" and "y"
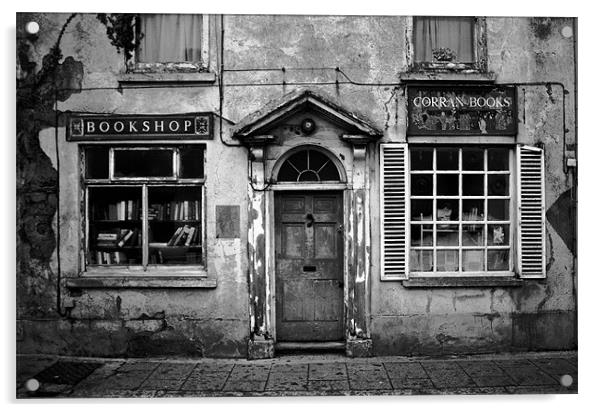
{"x": 461, "y": 110}
{"x": 195, "y": 126}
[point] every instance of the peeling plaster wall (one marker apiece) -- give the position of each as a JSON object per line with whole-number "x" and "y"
{"x": 215, "y": 322}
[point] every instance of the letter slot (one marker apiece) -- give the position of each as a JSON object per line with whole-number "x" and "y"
{"x": 309, "y": 268}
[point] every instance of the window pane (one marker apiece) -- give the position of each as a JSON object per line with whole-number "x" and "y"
{"x": 447, "y": 185}
{"x": 447, "y": 235}
{"x": 473, "y": 235}
{"x": 473, "y": 210}
{"x": 115, "y": 228}
{"x": 497, "y": 235}
{"x": 174, "y": 215}
{"x": 447, "y": 159}
{"x": 473, "y": 159}
{"x": 497, "y": 159}
{"x": 422, "y": 210}
{"x": 143, "y": 163}
{"x": 97, "y": 162}
{"x": 447, "y": 261}
{"x": 498, "y": 259}
{"x": 421, "y": 260}
{"x": 422, "y": 235}
{"x": 497, "y": 185}
{"x": 473, "y": 185}
{"x": 191, "y": 162}
{"x": 447, "y": 209}
{"x": 433, "y": 33}
{"x": 170, "y": 38}
{"x": 473, "y": 260}
{"x": 422, "y": 185}
{"x": 421, "y": 159}
{"x": 498, "y": 209}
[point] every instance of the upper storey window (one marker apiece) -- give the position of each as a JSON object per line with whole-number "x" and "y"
{"x": 170, "y": 38}
{"x": 448, "y": 43}
{"x": 444, "y": 39}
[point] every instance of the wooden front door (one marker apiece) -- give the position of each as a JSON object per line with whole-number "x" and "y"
{"x": 309, "y": 266}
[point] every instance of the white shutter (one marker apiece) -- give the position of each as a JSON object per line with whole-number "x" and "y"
{"x": 394, "y": 253}
{"x": 531, "y": 213}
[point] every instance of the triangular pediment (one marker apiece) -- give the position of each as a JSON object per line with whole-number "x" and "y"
{"x": 275, "y": 112}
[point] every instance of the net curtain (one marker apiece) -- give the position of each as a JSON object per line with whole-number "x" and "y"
{"x": 455, "y": 33}
{"x": 170, "y": 38}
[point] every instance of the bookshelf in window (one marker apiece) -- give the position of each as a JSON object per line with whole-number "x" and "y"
{"x": 174, "y": 225}
{"x": 115, "y": 226}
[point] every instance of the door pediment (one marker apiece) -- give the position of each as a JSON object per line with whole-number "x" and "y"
{"x": 255, "y": 128}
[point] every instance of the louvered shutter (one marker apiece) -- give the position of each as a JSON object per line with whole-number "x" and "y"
{"x": 531, "y": 213}
{"x": 393, "y": 211}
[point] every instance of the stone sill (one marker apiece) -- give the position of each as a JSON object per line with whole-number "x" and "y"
{"x": 469, "y": 76}
{"x": 134, "y": 79}
{"x": 139, "y": 281}
{"x": 462, "y": 282}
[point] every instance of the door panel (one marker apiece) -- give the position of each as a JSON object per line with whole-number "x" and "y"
{"x": 309, "y": 267}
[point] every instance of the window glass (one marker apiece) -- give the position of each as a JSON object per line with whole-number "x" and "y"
{"x": 143, "y": 163}
{"x": 308, "y": 166}
{"x": 97, "y": 162}
{"x": 115, "y": 225}
{"x": 174, "y": 228}
{"x": 191, "y": 163}
{"x": 462, "y": 224}
{"x": 170, "y": 38}
{"x": 444, "y": 39}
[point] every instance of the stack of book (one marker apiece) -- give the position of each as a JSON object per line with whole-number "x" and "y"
{"x": 118, "y": 238}
{"x": 185, "y": 236}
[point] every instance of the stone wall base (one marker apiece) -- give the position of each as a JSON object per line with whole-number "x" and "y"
{"x": 260, "y": 348}
{"x": 358, "y": 348}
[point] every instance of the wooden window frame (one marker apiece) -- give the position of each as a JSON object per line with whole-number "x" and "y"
{"x": 145, "y": 268}
{"x": 479, "y": 48}
{"x": 135, "y": 66}
{"x": 512, "y": 195}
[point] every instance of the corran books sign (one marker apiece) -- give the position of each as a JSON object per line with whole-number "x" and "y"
{"x": 119, "y": 127}
{"x": 461, "y": 110}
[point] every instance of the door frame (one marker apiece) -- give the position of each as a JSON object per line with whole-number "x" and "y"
{"x": 356, "y": 257}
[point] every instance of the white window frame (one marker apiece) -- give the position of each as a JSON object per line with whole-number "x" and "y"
{"x": 143, "y": 183}
{"x": 512, "y": 241}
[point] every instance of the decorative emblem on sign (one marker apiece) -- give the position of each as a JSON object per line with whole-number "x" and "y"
{"x": 461, "y": 110}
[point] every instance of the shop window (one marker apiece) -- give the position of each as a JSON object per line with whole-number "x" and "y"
{"x": 459, "y": 198}
{"x": 448, "y": 43}
{"x": 461, "y": 211}
{"x": 144, "y": 206}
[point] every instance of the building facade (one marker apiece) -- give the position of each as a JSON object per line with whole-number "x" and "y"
{"x": 235, "y": 186}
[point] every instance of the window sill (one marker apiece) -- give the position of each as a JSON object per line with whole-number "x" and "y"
{"x": 134, "y": 79}
{"x": 422, "y": 74}
{"x": 140, "y": 281}
{"x": 462, "y": 282}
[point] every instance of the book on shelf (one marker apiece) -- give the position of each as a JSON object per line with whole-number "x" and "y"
{"x": 118, "y": 238}
{"x": 175, "y": 210}
{"x": 184, "y": 236}
{"x": 121, "y": 210}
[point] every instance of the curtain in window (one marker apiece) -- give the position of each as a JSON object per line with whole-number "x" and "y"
{"x": 170, "y": 38}
{"x": 455, "y": 33}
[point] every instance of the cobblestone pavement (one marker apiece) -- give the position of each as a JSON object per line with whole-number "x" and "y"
{"x": 524, "y": 373}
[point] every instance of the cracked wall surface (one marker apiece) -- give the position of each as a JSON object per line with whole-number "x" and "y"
{"x": 215, "y": 322}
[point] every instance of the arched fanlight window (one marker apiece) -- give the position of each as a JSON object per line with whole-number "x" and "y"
{"x": 308, "y": 165}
